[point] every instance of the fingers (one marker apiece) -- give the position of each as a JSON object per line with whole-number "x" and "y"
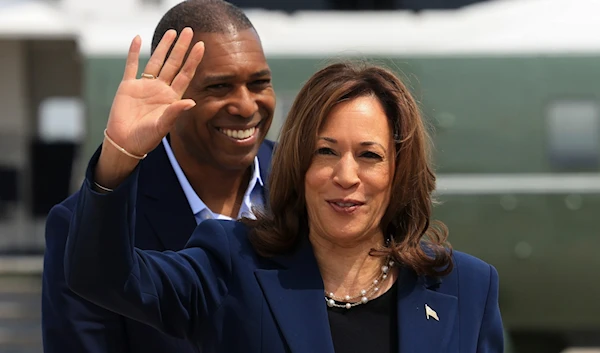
{"x": 177, "y": 55}
{"x": 184, "y": 77}
{"x": 131, "y": 65}
{"x": 160, "y": 53}
{"x": 167, "y": 119}
{"x": 171, "y": 71}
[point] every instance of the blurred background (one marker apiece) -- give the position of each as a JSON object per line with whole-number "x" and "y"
{"x": 510, "y": 88}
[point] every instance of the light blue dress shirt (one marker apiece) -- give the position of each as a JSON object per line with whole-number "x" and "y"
{"x": 253, "y": 197}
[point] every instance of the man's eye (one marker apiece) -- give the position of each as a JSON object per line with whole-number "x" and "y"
{"x": 218, "y": 86}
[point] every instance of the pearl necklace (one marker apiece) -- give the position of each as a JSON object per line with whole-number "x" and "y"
{"x": 364, "y": 295}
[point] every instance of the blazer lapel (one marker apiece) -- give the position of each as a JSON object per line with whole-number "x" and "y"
{"x": 265, "y": 155}
{"x": 162, "y": 201}
{"x": 295, "y": 296}
{"x": 419, "y": 331}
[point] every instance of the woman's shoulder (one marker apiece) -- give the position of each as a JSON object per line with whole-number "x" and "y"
{"x": 221, "y": 231}
{"x": 471, "y": 274}
{"x": 464, "y": 262}
{"x": 224, "y": 238}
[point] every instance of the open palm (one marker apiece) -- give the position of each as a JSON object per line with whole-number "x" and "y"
{"x": 145, "y": 109}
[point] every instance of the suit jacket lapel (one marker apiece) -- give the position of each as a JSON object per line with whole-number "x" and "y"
{"x": 265, "y": 155}
{"x": 418, "y": 332}
{"x": 162, "y": 201}
{"x": 295, "y": 296}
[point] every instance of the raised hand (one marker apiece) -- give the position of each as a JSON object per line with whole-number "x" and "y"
{"x": 145, "y": 109}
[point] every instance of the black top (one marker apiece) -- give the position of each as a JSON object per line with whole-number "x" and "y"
{"x": 370, "y": 327}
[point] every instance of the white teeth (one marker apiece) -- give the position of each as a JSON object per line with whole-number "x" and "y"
{"x": 238, "y": 134}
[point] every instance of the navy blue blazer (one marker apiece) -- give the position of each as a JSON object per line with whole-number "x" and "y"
{"x": 164, "y": 221}
{"x": 220, "y": 294}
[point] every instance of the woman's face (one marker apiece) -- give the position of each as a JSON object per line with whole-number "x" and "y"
{"x": 349, "y": 180}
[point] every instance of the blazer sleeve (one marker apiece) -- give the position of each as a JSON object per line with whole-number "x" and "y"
{"x": 491, "y": 335}
{"x": 71, "y": 324}
{"x": 174, "y": 292}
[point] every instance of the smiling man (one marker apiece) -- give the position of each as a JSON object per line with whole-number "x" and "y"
{"x": 213, "y": 164}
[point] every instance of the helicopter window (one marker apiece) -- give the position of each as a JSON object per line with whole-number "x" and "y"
{"x": 573, "y": 134}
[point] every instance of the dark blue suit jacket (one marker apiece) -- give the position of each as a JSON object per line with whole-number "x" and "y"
{"x": 220, "y": 294}
{"x": 163, "y": 221}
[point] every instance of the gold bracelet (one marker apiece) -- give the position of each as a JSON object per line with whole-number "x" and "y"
{"x": 122, "y": 149}
{"x": 102, "y": 187}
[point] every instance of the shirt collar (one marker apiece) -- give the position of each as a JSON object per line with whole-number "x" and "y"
{"x": 256, "y": 174}
{"x": 196, "y": 204}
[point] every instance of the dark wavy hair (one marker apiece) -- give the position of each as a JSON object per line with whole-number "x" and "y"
{"x": 415, "y": 241}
